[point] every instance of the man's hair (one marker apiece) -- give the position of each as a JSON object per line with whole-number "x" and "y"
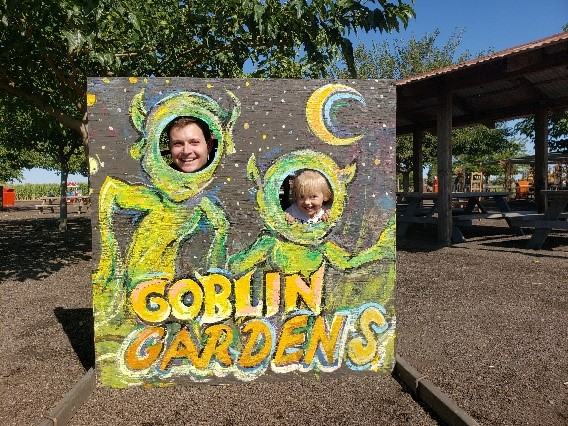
{"x": 309, "y": 180}
{"x": 183, "y": 121}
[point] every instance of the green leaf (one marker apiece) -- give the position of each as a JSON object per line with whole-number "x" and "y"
{"x": 133, "y": 19}
{"x": 75, "y": 40}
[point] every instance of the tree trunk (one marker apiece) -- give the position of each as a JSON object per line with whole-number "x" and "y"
{"x": 63, "y": 188}
{"x": 405, "y": 181}
{"x": 85, "y": 138}
{"x": 63, "y": 199}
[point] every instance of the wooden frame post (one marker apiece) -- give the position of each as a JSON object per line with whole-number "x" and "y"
{"x": 417, "y": 179}
{"x": 540, "y": 157}
{"x": 444, "y": 154}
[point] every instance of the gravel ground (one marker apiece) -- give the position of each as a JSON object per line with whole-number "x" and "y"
{"x": 485, "y": 320}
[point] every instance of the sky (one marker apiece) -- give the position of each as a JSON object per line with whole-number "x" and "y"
{"x": 487, "y": 24}
{"x": 495, "y": 24}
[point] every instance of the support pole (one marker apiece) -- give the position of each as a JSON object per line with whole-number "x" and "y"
{"x": 444, "y": 153}
{"x": 417, "y": 179}
{"x": 540, "y": 157}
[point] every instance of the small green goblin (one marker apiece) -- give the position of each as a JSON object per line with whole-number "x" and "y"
{"x": 303, "y": 248}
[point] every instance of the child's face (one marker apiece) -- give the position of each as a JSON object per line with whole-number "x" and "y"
{"x": 310, "y": 202}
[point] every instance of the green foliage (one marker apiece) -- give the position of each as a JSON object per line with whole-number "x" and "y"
{"x": 13, "y": 123}
{"x": 557, "y": 131}
{"x": 34, "y": 191}
{"x": 49, "y": 49}
{"x": 399, "y": 59}
{"x": 472, "y": 146}
{"x": 30, "y": 138}
{"x": 478, "y": 148}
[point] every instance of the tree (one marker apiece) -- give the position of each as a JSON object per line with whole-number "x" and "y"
{"x": 399, "y": 60}
{"x": 557, "y": 127}
{"x": 66, "y": 40}
{"x": 557, "y": 131}
{"x": 30, "y": 138}
{"x": 478, "y": 148}
{"x": 12, "y": 159}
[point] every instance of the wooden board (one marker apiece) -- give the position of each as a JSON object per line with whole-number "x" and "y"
{"x": 198, "y": 278}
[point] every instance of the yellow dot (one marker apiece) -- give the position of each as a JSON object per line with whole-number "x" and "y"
{"x": 106, "y": 80}
{"x": 246, "y": 125}
{"x": 167, "y": 81}
{"x": 377, "y": 161}
{"x": 209, "y": 86}
{"x": 228, "y": 179}
{"x": 247, "y": 84}
{"x": 145, "y": 80}
{"x": 133, "y": 80}
{"x": 263, "y": 136}
{"x": 91, "y": 99}
{"x": 93, "y": 165}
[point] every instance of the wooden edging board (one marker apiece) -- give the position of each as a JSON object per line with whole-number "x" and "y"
{"x": 422, "y": 388}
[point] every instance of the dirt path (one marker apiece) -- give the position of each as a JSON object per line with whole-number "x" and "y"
{"x": 486, "y": 320}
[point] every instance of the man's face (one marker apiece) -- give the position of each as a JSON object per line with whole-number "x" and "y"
{"x": 188, "y": 148}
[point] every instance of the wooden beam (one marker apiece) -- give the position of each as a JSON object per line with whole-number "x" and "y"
{"x": 488, "y": 115}
{"x": 540, "y": 157}
{"x": 444, "y": 153}
{"x": 494, "y": 69}
{"x": 417, "y": 179}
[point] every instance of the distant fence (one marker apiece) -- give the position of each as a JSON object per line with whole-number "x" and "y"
{"x": 34, "y": 191}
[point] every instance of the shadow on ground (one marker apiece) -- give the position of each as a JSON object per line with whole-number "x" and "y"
{"x": 34, "y": 248}
{"x": 424, "y": 238}
{"x": 78, "y": 324}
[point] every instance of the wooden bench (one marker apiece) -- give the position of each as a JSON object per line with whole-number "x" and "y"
{"x": 537, "y": 220}
{"x": 493, "y": 215}
{"x": 74, "y": 208}
{"x": 82, "y": 208}
{"x": 42, "y": 207}
{"x": 510, "y": 217}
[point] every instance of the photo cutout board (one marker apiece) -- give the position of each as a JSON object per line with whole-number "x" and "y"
{"x": 243, "y": 229}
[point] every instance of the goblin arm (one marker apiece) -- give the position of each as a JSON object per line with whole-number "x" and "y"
{"x": 384, "y": 248}
{"x": 217, "y": 220}
{"x": 247, "y": 259}
{"x": 115, "y": 195}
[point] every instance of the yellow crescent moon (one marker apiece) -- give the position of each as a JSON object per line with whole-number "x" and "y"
{"x": 316, "y": 112}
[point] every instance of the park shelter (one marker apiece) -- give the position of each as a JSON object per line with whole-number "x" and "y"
{"x": 553, "y": 157}
{"x": 523, "y": 81}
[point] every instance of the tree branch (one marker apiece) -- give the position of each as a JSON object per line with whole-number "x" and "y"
{"x": 38, "y": 103}
{"x": 61, "y": 76}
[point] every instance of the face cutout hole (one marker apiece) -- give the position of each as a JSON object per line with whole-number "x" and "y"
{"x": 187, "y": 144}
{"x": 306, "y": 196}
{"x": 286, "y": 199}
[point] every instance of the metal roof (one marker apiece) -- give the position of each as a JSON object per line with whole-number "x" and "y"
{"x": 509, "y": 84}
{"x": 553, "y": 158}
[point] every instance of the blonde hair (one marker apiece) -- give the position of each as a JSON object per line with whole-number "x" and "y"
{"x": 309, "y": 180}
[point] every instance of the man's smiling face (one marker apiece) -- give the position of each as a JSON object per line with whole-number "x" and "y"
{"x": 188, "y": 148}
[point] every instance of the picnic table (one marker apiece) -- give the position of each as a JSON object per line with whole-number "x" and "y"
{"x": 474, "y": 207}
{"x": 52, "y": 203}
{"x": 555, "y": 217}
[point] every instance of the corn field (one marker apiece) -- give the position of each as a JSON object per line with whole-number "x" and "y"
{"x": 34, "y": 191}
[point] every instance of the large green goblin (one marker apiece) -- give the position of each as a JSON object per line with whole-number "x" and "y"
{"x": 173, "y": 207}
{"x": 304, "y": 248}
{"x": 170, "y": 209}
